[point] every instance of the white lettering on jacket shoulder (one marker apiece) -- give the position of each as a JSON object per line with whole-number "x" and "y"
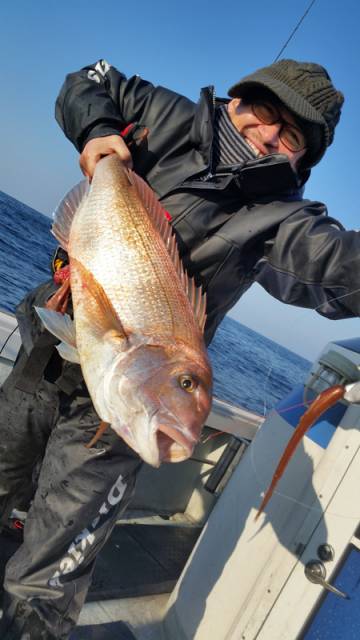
{"x": 100, "y": 71}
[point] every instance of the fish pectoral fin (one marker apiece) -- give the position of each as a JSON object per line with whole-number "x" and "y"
{"x": 64, "y": 213}
{"x": 68, "y": 352}
{"x": 60, "y": 299}
{"x": 60, "y": 325}
{"x": 96, "y": 302}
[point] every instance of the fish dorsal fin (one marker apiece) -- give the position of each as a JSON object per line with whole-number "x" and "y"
{"x": 158, "y": 216}
{"x": 65, "y": 211}
{"x": 198, "y": 302}
{"x": 97, "y": 304}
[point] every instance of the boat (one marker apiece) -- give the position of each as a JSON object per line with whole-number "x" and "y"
{"x": 188, "y": 560}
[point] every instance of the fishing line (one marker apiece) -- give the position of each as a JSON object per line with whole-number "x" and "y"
{"x": 262, "y": 483}
{"x": 294, "y": 30}
{"x": 315, "y": 309}
{"x": 345, "y": 295}
{"x": 265, "y": 385}
{"x": 258, "y": 435}
{"x": 316, "y": 495}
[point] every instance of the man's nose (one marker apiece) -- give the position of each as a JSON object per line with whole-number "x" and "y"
{"x": 270, "y": 133}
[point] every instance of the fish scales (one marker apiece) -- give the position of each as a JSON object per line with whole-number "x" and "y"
{"x": 135, "y": 268}
{"x": 138, "y": 318}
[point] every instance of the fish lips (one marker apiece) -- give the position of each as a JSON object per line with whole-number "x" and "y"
{"x": 166, "y": 442}
{"x": 173, "y": 444}
{"x": 157, "y": 439}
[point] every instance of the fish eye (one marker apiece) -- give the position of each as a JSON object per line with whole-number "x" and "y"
{"x": 187, "y": 383}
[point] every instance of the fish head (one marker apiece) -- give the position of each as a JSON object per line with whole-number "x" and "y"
{"x": 159, "y": 400}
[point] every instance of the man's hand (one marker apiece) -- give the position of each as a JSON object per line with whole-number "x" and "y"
{"x": 97, "y": 148}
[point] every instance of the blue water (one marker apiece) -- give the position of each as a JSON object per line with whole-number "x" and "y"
{"x": 249, "y": 369}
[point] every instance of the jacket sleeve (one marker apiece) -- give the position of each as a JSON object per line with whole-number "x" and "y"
{"x": 98, "y": 101}
{"x": 313, "y": 262}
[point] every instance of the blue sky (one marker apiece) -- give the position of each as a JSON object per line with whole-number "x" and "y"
{"x": 183, "y": 45}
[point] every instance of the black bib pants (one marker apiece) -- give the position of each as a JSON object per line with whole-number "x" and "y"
{"x": 73, "y": 495}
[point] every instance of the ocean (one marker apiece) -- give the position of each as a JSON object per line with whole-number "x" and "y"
{"x": 249, "y": 369}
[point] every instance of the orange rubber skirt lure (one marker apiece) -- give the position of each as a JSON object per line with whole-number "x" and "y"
{"x": 322, "y": 402}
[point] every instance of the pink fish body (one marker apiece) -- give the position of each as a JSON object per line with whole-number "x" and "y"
{"x": 138, "y": 318}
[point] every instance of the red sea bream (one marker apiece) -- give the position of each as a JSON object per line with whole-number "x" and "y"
{"x": 138, "y": 318}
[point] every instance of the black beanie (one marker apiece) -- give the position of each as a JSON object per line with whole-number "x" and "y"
{"x": 307, "y": 91}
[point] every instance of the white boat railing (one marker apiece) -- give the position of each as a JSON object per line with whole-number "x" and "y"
{"x": 224, "y": 416}
{"x": 10, "y": 342}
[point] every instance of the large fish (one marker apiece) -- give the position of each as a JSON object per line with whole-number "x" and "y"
{"x": 138, "y": 317}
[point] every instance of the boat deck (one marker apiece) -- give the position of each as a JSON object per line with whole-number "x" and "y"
{"x": 133, "y": 578}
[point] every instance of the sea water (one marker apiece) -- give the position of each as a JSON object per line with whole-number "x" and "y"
{"x": 249, "y": 369}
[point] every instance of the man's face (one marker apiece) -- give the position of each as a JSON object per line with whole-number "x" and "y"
{"x": 263, "y": 138}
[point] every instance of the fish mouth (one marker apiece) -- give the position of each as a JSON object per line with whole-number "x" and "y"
{"x": 173, "y": 445}
{"x": 164, "y": 443}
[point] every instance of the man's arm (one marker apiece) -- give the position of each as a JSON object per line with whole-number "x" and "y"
{"x": 313, "y": 262}
{"x": 94, "y": 105}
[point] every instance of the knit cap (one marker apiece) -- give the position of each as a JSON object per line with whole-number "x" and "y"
{"x": 306, "y": 90}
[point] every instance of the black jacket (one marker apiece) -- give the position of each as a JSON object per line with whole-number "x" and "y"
{"x": 234, "y": 227}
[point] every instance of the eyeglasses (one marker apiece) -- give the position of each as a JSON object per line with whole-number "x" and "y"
{"x": 290, "y": 135}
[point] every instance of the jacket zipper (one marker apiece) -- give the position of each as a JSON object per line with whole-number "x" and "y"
{"x": 209, "y": 175}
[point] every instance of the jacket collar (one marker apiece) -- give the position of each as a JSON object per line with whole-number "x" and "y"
{"x": 269, "y": 175}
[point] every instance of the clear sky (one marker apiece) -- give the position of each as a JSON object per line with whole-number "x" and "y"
{"x": 184, "y": 46}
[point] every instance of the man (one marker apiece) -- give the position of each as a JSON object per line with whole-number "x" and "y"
{"x": 231, "y": 174}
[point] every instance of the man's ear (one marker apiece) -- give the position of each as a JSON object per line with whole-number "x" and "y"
{"x": 233, "y": 106}
{"x": 234, "y": 103}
